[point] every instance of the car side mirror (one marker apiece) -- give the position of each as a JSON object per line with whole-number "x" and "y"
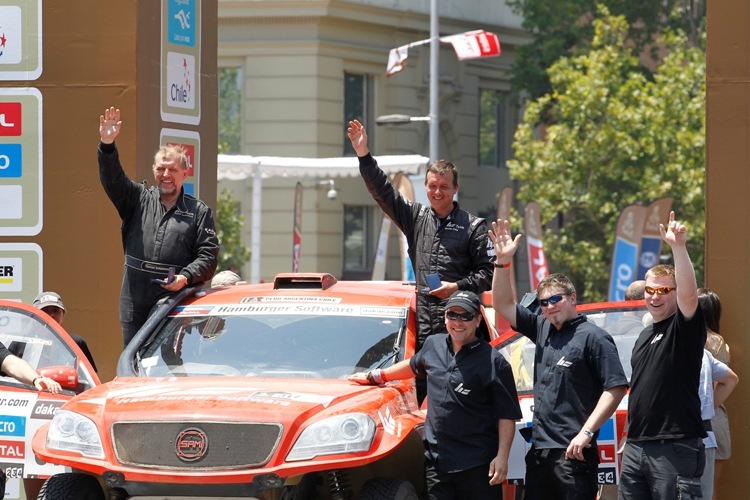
{"x": 66, "y": 376}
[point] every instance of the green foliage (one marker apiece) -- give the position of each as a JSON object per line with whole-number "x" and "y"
{"x": 616, "y": 137}
{"x": 230, "y": 115}
{"x": 229, "y": 221}
{"x": 563, "y": 28}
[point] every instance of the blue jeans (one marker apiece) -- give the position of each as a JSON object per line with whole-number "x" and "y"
{"x": 667, "y": 469}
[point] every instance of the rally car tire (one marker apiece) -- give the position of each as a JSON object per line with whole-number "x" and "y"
{"x": 387, "y": 488}
{"x": 71, "y": 486}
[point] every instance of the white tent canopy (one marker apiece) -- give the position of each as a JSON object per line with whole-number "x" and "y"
{"x": 241, "y": 167}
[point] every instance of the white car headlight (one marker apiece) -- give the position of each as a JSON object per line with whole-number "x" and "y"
{"x": 73, "y": 432}
{"x": 348, "y": 433}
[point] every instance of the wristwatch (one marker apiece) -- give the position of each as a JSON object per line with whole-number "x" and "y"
{"x": 587, "y": 432}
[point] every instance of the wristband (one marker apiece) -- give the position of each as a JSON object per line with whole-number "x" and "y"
{"x": 33, "y": 382}
{"x": 502, "y": 266}
{"x": 587, "y": 432}
{"x": 375, "y": 377}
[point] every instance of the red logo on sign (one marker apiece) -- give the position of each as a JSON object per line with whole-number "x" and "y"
{"x": 191, "y": 445}
{"x": 12, "y": 449}
{"x": 10, "y": 118}
{"x": 606, "y": 453}
{"x": 190, "y": 152}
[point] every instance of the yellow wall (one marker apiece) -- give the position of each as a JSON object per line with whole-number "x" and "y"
{"x": 728, "y": 210}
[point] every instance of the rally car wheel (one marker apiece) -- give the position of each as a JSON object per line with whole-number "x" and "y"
{"x": 387, "y": 488}
{"x": 71, "y": 486}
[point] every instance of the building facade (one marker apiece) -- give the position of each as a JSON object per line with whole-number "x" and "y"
{"x": 302, "y": 69}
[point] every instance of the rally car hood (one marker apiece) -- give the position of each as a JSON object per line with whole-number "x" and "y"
{"x": 235, "y": 398}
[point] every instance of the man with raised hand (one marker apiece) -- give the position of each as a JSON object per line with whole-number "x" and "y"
{"x": 578, "y": 380}
{"x": 664, "y": 454}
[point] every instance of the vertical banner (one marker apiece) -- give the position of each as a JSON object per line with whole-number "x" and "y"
{"x": 504, "y": 203}
{"x": 537, "y": 261}
{"x": 657, "y": 212}
{"x": 297, "y": 236}
{"x": 627, "y": 243}
{"x": 381, "y": 254}
{"x": 406, "y": 189}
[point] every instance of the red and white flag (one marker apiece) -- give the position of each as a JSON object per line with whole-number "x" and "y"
{"x": 397, "y": 60}
{"x": 474, "y": 44}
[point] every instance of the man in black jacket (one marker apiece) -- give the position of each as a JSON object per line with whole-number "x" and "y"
{"x": 162, "y": 228}
{"x": 442, "y": 238}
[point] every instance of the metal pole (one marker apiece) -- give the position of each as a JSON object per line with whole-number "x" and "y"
{"x": 434, "y": 84}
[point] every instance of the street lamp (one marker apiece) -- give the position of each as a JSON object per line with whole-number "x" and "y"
{"x": 432, "y": 118}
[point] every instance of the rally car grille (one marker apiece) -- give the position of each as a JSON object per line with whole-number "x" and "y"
{"x": 195, "y": 445}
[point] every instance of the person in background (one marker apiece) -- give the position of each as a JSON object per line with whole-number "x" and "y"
{"x": 442, "y": 238}
{"x": 52, "y": 304}
{"x": 163, "y": 228}
{"x": 472, "y": 405}
{"x": 578, "y": 380}
{"x": 717, "y": 382}
{"x": 711, "y": 306}
{"x": 664, "y": 455}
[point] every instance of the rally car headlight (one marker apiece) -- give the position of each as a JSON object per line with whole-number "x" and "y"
{"x": 73, "y": 432}
{"x": 348, "y": 433}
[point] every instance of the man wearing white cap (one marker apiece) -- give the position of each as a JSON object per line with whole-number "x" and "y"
{"x": 52, "y": 304}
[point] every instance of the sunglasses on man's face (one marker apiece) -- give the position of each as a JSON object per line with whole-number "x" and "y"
{"x": 659, "y": 290}
{"x": 453, "y": 316}
{"x": 554, "y": 299}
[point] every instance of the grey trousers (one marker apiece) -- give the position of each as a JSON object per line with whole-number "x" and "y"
{"x": 667, "y": 469}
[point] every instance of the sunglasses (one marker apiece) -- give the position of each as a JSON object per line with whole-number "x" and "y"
{"x": 554, "y": 299}
{"x": 660, "y": 290}
{"x": 453, "y": 316}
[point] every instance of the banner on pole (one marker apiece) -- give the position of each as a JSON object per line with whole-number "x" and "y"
{"x": 534, "y": 244}
{"x": 626, "y": 251}
{"x": 297, "y": 232}
{"x": 656, "y": 213}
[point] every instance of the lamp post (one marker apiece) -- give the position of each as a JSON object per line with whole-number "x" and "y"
{"x": 432, "y": 117}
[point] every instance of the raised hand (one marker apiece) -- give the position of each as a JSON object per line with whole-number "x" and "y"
{"x": 109, "y": 125}
{"x": 505, "y": 245}
{"x": 357, "y": 134}
{"x": 675, "y": 233}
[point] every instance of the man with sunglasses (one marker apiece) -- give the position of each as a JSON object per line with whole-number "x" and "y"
{"x": 472, "y": 405}
{"x": 664, "y": 454}
{"x": 578, "y": 380}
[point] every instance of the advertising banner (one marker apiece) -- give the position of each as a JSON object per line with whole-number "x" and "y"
{"x": 297, "y": 230}
{"x": 656, "y": 213}
{"x": 626, "y": 252}
{"x": 537, "y": 261}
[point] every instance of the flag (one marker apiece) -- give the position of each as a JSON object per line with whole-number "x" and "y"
{"x": 474, "y": 44}
{"x": 626, "y": 251}
{"x": 537, "y": 261}
{"x": 297, "y": 231}
{"x": 656, "y": 212}
{"x": 397, "y": 60}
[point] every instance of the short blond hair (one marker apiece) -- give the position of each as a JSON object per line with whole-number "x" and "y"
{"x": 172, "y": 152}
{"x": 660, "y": 271}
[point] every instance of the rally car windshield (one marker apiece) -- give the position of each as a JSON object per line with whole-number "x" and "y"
{"x": 273, "y": 345}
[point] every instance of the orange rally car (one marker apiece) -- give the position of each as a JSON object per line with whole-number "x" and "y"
{"x": 241, "y": 392}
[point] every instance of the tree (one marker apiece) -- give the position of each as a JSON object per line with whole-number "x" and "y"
{"x": 230, "y": 106}
{"x": 229, "y": 221}
{"x": 562, "y": 28}
{"x": 616, "y": 137}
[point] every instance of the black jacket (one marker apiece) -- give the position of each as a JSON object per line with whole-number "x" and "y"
{"x": 183, "y": 237}
{"x": 459, "y": 251}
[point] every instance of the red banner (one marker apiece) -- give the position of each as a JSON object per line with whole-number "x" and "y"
{"x": 537, "y": 261}
{"x": 297, "y": 236}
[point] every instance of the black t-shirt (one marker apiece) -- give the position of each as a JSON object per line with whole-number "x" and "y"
{"x": 572, "y": 367}
{"x": 664, "y": 402}
{"x": 467, "y": 394}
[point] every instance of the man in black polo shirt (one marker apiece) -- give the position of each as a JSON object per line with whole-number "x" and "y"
{"x": 472, "y": 405}
{"x": 664, "y": 454}
{"x": 578, "y": 380}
